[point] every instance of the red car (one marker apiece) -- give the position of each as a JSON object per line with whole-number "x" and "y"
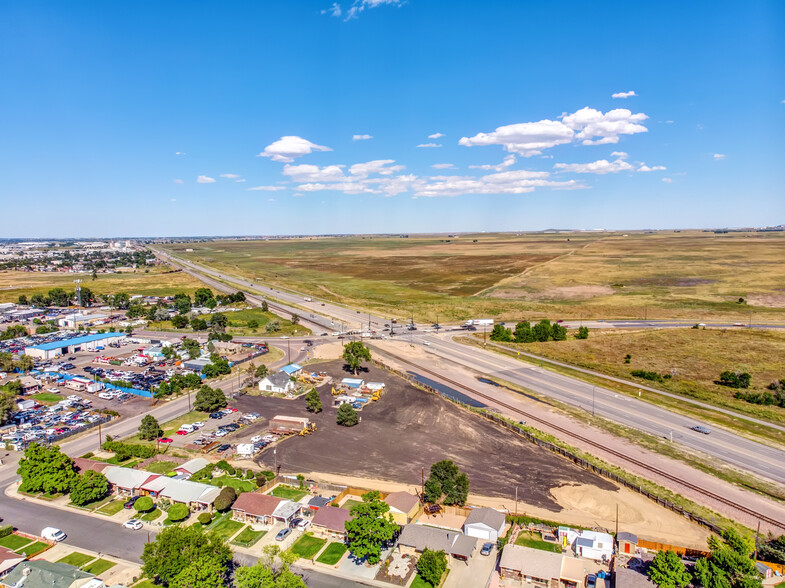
{"x": 181, "y": 432}
{"x": 164, "y": 440}
{"x": 231, "y": 408}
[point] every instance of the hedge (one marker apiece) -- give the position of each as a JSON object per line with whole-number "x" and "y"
{"x": 129, "y": 449}
{"x": 6, "y": 530}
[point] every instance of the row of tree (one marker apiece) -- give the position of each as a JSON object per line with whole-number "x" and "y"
{"x": 525, "y": 332}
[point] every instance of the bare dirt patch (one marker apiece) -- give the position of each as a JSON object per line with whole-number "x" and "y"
{"x": 768, "y": 300}
{"x": 559, "y": 293}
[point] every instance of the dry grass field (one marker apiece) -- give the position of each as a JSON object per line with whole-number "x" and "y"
{"x": 156, "y": 283}
{"x": 691, "y": 274}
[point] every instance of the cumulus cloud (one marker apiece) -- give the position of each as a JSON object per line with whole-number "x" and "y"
{"x": 230, "y": 176}
{"x": 624, "y": 94}
{"x": 428, "y": 145}
{"x": 620, "y": 154}
{"x": 719, "y": 156}
{"x": 512, "y": 182}
{"x": 595, "y": 128}
{"x": 443, "y": 166}
{"x": 178, "y": 181}
{"x": 361, "y": 5}
{"x": 667, "y": 180}
{"x": 267, "y": 188}
{"x": 271, "y": 200}
{"x": 334, "y": 10}
{"x": 646, "y": 168}
{"x": 378, "y": 166}
{"x": 436, "y": 136}
{"x": 240, "y": 181}
{"x": 601, "y": 166}
{"x": 287, "y": 148}
{"x": 361, "y": 137}
{"x": 508, "y": 161}
{"x": 314, "y": 173}
{"x": 205, "y": 180}
{"x": 525, "y": 139}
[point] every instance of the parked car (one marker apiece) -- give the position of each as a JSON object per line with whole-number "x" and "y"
{"x": 591, "y": 581}
{"x": 131, "y": 501}
{"x": 255, "y": 439}
{"x": 302, "y": 526}
{"x": 283, "y": 534}
{"x": 53, "y": 534}
{"x": 217, "y": 415}
{"x": 224, "y": 447}
{"x": 486, "y": 549}
{"x": 294, "y": 522}
{"x": 164, "y": 440}
{"x": 133, "y": 524}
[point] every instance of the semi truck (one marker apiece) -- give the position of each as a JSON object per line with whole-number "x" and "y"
{"x": 479, "y": 323}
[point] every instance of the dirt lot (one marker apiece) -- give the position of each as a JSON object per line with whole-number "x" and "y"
{"x": 408, "y": 430}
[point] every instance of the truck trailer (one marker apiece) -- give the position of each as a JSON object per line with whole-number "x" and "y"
{"x": 479, "y": 323}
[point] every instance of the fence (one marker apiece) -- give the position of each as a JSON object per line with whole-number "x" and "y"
{"x": 561, "y": 451}
{"x": 653, "y": 545}
{"x": 101, "y": 421}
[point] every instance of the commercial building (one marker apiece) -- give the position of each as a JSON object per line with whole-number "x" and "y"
{"x": 73, "y": 321}
{"x": 65, "y": 346}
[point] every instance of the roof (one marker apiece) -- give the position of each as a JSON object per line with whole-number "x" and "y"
{"x": 624, "y": 536}
{"x": 126, "y": 477}
{"x": 256, "y": 504}
{"x": 9, "y": 558}
{"x": 584, "y": 542}
{"x": 155, "y": 484}
{"x": 464, "y": 546}
{"x": 187, "y": 491}
{"x": 194, "y": 465}
{"x": 291, "y": 368}
{"x": 629, "y": 578}
{"x": 319, "y": 501}
{"x": 278, "y": 379}
{"x": 352, "y": 382}
{"x": 531, "y": 562}
{"x": 421, "y": 537}
{"x": 82, "y": 465}
{"x": 76, "y": 341}
{"x": 488, "y": 517}
{"x": 286, "y": 508}
{"x": 402, "y": 501}
{"x": 332, "y": 518}
{"x": 572, "y": 569}
{"x": 44, "y": 574}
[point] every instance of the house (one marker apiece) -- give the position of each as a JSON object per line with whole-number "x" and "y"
{"x": 227, "y": 347}
{"x": 330, "y": 521}
{"x": 197, "y": 496}
{"x": 43, "y": 574}
{"x": 126, "y": 480}
{"x": 82, "y": 465}
{"x": 8, "y": 559}
{"x": 533, "y": 566}
{"x": 292, "y": 369}
{"x": 593, "y": 545}
{"x": 286, "y": 511}
{"x": 192, "y": 466}
{"x": 29, "y": 384}
{"x": 318, "y": 502}
{"x": 279, "y": 383}
{"x": 403, "y": 506}
{"x": 485, "y": 523}
{"x": 573, "y": 572}
{"x": 626, "y": 542}
{"x": 416, "y": 538}
{"x": 196, "y": 365}
{"x": 253, "y": 507}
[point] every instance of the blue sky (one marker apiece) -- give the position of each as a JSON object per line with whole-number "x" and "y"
{"x": 160, "y": 118}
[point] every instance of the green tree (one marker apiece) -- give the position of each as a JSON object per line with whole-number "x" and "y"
{"x": 120, "y": 300}
{"x": 265, "y": 308}
{"x": 89, "y": 487}
{"x": 202, "y": 295}
{"x": 58, "y": 297}
{"x": 354, "y": 354}
{"x": 735, "y": 379}
{"x": 192, "y": 348}
{"x": 198, "y": 324}
{"x": 38, "y": 299}
{"x": 180, "y": 321}
{"x": 263, "y": 576}
{"x": 225, "y": 499}
{"x": 347, "y": 416}
{"x": 219, "y": 321}
{"x": 273, "y": 327}
{"x": 371, "y": 526}
{"x": 7, "y": 405}
{"x": 209, "y": 399}
{"x": 178, "y": 512}
{"x": 583, "y": 333}
{"x": 149, "y": 429}
{"x": 176, "y": 547}
{"x": 182, "y": 303}
{"x": 448, "y": 480}
{"x": 523, "y": 332}
{"x": 262, "y": 371}
{"x": 252, "y": 324}
{"x": 312, "y": 401}
{"x": 431, "y": 566}
{"x": 204, "y": 572}
{"x": 144, "y": 504}
{"x": 501, "y": 333}
{"x": 773, "y": 550}
{"x": 729, "y": 564}
{"x": 22, "y": 300}
{"x": 295, "y": 319}
{"x": 668, "y": 571}
{"x": 542, "y": 331}
{"x": 558, "y": 333}
{"x": 46, "y": 469}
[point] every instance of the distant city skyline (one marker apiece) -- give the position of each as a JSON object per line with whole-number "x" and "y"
{"x": 389, "y": 116}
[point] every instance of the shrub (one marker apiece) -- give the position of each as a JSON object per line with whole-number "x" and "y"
{"x": 225, "y": 499}
{"x": 268, "y": 474}
{"x": 144, "y": 504}
{"x": 88, "y": 455}
{"x": 653, "y": 376}
{"x": 128, "y": 449}
{"x": 347, "y": 416}
{"x": 6, "y": 530}
{"x": 178, "y": 512}
{"x": 205, "y": 518}
{"x": 735, "y": 379}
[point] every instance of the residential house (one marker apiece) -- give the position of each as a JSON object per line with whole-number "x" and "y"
{"x": 485, "y": 523}
{"x": 29, "y": 384}
{"x": 318, "y": 502}
{"x": 43, "y": 574}
{"x": 416, "y": 538}
{"x": 534, "y": 567}
{"x": 8, "y": 559}
{"x": 573, "y": 572}
{"x": 292, "y": 369}
{"x": 278, "y": 383}
{"x": 126, "y": 480}
{"x": 626, "y": 543}
{"x": 594, "y": 545}
{"x": 403, "y": 506}
{"x": 330, "y": 521}
{"x": 227, "y": 347}
{"x": 253, "y": 507}
{"x": 197, "y": 496}
{"x": 192, "y": 466}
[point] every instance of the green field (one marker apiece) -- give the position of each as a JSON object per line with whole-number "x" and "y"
{"x": 76, "y": 559}
{"x": 14, "y": 542}
{"x": 111, "y": 508}
{"x": 46, "y": 398}
{"x": 161, "y": 467}
{"x": 290, "y": 492}
{"x": 239, "y": 324}
{"x": 226, "y": 527}
{"x": 668, "y": 274}
{"x": 350, "y": 503}
{"x": 535, "y": 542}
{"x": 307, "y": 546}
{"x": 236, "y": 483}
{"x": 151, "y": 516}
{"x": 332, "y": 553}
{"x": 32, "y": 549}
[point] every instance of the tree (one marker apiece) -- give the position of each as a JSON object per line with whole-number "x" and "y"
{"x": 144, "y": 504}
{"x": 312, "y": 401}
{"x": 252, "y": 324}
{"x": 370, "y": 527}
{"x": 46, "y": 469}
{"x": 735, "y": 379}
{"x": 182, "y": 303}
{"x": 225, "y": 499}
{"x": 58, "y": 297}
{"x": 295, "y": 319}
{"x": 178, "y": 512}
{"x": 202, "y": 295}
{"x": 347, "y": 416}
{"x": 273, "y": 327}
{"x": 219, "y": 321}
{"x": 192, "y": 348}
{"x": 89, "y": 487}
{"x": 176, "y": 547}
{"x": 501, "y": 333}
{"x": 523, "y": 332}
{"x": 668, "y": 571}
{"x": 198, "y": 324}
{"x": 542, "y": 331}
{"x": 558, "y": 333}
{"x": 149, "y": 428}
{"x": 265, "y": 308}
{"x": 448, "y": 480}
{"x": 22, "y": 300}
{"x": 160, "y": 314}
{"x": 262, "y": 371}
{"x": 263, "y": 576}
{"x": 7, "y": 405}
{"x": 209, "y": 399}
{"x": 729, "y": 564}
{"x": 773, "y": 550}
{"x": 120, "y": 300}
{"x": 354, "y": 354}
{"x": 431, "y": 566}
{"x": 204, "y": 572}
{"x": 583, "y": 333}
{"x": 180, "y": 321}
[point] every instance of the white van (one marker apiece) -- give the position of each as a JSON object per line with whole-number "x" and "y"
{"x": 53, "y": 534}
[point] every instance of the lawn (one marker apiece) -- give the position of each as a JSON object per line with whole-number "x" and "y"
{"x": 248, "y": 537}
{"x": 76, "y": 559}
{"x": 350, "y": 503}
{"x": 111, "y": 508}
{"x": 14, "y": 542}
{"x": 290, "y": 492}
{"x": 226, "y": 527}
{"x": 332, "y": 554}
{"x": 150, "y": 516}
{"x": 307, "y": 546}
{"x": 46, "y": 397}
{"x": 236, "y": 483}
{"x": 535, "y": 542}
{"x": 32, "y": 549}
{"x": 161, "y": 467}
{"x": 99, "y": 566}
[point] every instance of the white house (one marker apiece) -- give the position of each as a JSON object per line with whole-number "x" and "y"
{"x": 485, "y": 523}
{"x": 279, "y": 383}
{"x": 593, "y": 545}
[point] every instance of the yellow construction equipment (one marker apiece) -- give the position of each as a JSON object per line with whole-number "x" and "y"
{"x": 310, "y": 428}
{"x": 334, "y": 392}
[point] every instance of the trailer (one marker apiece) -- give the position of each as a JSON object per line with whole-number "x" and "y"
{"x": 479, "y": 323}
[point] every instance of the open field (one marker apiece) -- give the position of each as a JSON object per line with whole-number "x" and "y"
{"x": 671, "y": 274}
{"x": 239, "y": 324}
{"x": 694, "y": 358}
{"x": 156, "y": 283}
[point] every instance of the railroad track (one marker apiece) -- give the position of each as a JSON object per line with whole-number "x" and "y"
{"x": 620, "y": 455}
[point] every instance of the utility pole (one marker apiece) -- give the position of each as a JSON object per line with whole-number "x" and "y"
{"x": 757, "y": 534}
{"x": 99, "y": 435}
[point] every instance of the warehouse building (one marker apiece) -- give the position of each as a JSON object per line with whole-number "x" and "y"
{"x": 66, "y": 346}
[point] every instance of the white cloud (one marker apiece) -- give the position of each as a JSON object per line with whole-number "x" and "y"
{"x": 314, "y": 173}
{"x": 620, "y": 154}
{"x": 508, "y": 161}
{"x": 334, "y": 10}
{"x": 205, "y": 180}
{"x": 428, "y": 145}
{"x": 719, "y": 156}
{"x": 240, "y": 181}
{"x": 646, "y": 168}
{"x": 287, "y": 148}
{"x": 378, "y": 166}
{"x": 443, "y": 166}
{"x": 624, "y": 94}
{"x": 179, "y": 153}
{"x": 360, "y": 5}
{"x": 512, "y": 182}
{"x": 361, "y": 137}
{"x": 271, "y": 200}
{"x": 601, "y": 166}
{"x": 667, "y": 180}
{"x": 178, "y": 181}
{"x": 590, "y": 123}
{"x": 525, "y": 139}
{"x": 436, "y": 136}
{"x": 230, "y": 176}
{"x": 173, "y": 200}
{"x": 267, "y": 188}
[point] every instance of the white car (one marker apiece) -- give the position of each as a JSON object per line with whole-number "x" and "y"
{"x": 255, "y": 439}
{"x": 53, "y": 390}
{"x": 251, "y": 417}
{"x": 53, "y": 534}
{"x": 133, "y": 524}
{"x": 105, "y": 395}
{"x": 198, "y": 424}
{"x": 426, "y": 342}
{"x": 74, "y": 398}
{"x": 304, "y": 525}
{"x": 221, "y": 433}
